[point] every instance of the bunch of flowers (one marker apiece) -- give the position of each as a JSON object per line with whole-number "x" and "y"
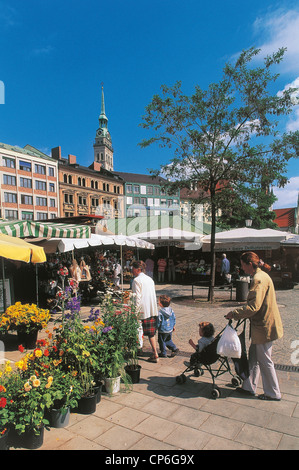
{"x": 24, "y": 317}
{"x": 5, "y": 409}
{"x": 44, "y": 361}
{"x": 63, "y": 271}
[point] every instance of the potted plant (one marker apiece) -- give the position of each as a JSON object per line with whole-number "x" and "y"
{"x": 5, "y": 410}
{"x": 28, "y": 398}
{"x": 75, "y": 350}
{"x": 27, "y": 320}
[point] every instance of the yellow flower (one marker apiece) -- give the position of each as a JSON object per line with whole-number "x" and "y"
{"x": 38, "y": 353}
{"x": 36, "y": 383}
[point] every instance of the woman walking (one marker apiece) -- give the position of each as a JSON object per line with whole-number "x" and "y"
{"x": 265, "y": 327}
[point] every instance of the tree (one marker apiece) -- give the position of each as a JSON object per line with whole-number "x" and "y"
{"x": 225, "y": 138}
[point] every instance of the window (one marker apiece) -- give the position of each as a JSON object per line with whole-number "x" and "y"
{"x": 25, "y": 166}
{"x": 41, "y": 215}
{"x": 136, "y": 189}
{"x": 149, "y": 190}
{"x": 8, "y": 179}
{"x": 10, "y": 197}
{"x": 27, "y": 215}
{"x": 40, "y": 169}
{"x": 41, "y": 201}
{"x": 156, "y": 190}
{"x": 82, "y": 200}
{"x": 25, "y": 199}
{"x": 143, "y": 201}
{"x": 52, "y": 187}
{"x": 9, "y": 162}
{"x": 136, "y": 200}
{"x": 25, "y": 182}
{"x": 68, "y": 198}
{"x": 94, "y": 202}
{"x": 51, "y": 171}
{"x": 11, "y": 215}
{"x": 41, "y": 185}
{"x": 129, "y": 188}
{"x": 52, "y": 203}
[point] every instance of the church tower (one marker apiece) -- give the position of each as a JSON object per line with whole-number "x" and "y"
{"x": 103, "y": 151}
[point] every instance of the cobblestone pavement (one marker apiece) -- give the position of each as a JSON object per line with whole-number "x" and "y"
{"x": 159, "y": 414}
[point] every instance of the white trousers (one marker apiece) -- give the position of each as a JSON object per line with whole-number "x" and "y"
{"x": 260, "y": 363}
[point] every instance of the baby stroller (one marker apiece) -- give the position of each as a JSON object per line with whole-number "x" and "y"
{"x": 204, "y": 360}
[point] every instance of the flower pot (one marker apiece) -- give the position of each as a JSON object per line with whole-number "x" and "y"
{"x": 28, "y": 340}
{"x": 4, "y": 443}
{"x": 87, "y": 405}
{"x": 28, "y": 439}
{"x": 133, "y": 372}
{"x": 112, "y": 385}
{"x": 98, "y": 391}
{"x": 58, "y": 418}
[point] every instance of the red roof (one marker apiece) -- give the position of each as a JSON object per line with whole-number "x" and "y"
{"x": 285, "y": 217}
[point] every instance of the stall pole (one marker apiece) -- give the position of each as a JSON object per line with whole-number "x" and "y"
{"x": 3, "y": 282}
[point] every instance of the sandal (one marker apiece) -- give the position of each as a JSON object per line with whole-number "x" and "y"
{"x": 265, "y": 397}
{"x": 153, "y": 359}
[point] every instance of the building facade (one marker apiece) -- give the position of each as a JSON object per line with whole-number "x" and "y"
{"x": 145, "y": 195}
{"x": 88, "y": 190}
{"x": 29, "y": 184}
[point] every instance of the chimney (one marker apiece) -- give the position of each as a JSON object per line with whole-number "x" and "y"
{"x": 97, "y": 166}
{"x": 72, "y": 159}
{"x": 56, "y": 153}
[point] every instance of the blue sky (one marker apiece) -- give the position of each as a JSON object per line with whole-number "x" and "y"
{"x": 54, "y": 55}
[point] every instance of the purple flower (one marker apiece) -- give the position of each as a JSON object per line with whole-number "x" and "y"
{"x": 106, "y": 329}
{"x": 94, "y": 314}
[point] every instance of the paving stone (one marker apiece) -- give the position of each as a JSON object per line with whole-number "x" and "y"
{"x": 259, "y": 438}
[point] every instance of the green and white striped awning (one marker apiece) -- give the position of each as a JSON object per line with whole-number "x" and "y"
{"x": 28, "y": 228}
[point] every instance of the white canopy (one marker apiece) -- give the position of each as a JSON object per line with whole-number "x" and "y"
{"x": 165, "y": 236}
{"x": 242, "y": 239}
{"x": 68, "y": 244}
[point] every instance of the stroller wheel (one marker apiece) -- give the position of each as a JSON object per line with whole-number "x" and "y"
{"x": 180, "y": 379}
{"x": 215, "y": 393}
{"x": 198, "y": 372}
{"x": 236, "y": 381}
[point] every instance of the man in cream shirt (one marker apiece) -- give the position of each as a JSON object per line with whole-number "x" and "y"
{"x": 146, "y": 304}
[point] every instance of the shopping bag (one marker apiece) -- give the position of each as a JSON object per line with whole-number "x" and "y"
{"x": 229, "y": 344}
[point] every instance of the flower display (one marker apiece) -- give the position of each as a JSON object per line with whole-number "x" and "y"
{"x": 24, "y": 317}
{"x": 66, "y": 364}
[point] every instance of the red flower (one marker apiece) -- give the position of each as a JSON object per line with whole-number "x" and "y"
{"x": 46, "y": 352}
{"x": 21, "y": 348}
{"x": 3, "y": 402}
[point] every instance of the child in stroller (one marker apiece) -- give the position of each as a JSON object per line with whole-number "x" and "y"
{"x": 205, "y": 356}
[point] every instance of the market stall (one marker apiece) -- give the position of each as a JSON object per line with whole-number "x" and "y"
{"x": 243, "y": 239}
{"x": 15, "y": 249}
{"x": 29, "y": 228}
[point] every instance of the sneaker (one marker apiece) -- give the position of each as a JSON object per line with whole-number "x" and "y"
{"x": 162, "y": 355}
{"x": 174, "y": 353}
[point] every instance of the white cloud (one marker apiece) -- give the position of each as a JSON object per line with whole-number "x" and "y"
{"x": 280, "y": 29}
{"x": 287, "y": 196}
{"x": 293, "y": 121}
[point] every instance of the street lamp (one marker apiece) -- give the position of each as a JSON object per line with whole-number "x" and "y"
{"x": 248, "y": 222}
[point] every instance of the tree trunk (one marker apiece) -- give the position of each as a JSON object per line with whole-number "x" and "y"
{"x": 213, "y": 254}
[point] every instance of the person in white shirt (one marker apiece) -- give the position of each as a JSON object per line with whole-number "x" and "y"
{"x": 146, "y": 304}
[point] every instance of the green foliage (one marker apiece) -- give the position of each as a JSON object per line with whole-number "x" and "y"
{"x": 225, "y": 139}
